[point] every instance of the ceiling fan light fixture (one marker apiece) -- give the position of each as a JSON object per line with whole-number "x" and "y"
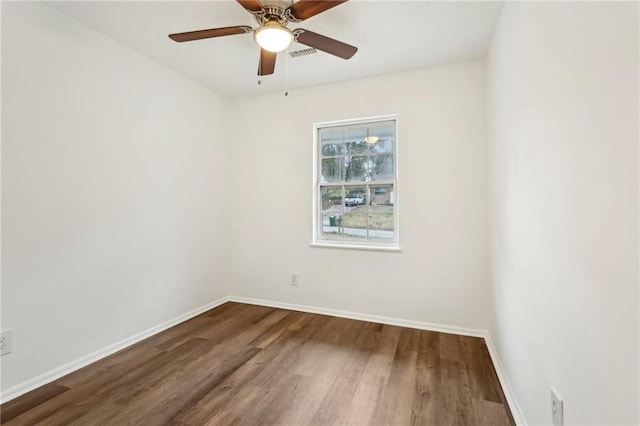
{"x": 273, "y": 37}
{"x": 371, "y": 139}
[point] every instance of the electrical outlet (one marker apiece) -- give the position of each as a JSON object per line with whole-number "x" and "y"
{"x": 5, "y": 342}
{"x": 294, "y": 279}
{"x": 557, "y": 409}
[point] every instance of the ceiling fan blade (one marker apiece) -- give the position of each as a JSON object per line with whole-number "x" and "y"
{"x": 305, "y": 9}
{"x": 326, "y": 44}
{"x": 267, "y": 62}
{"x": 251, "y": 5}
{"x": 213, "y": 32}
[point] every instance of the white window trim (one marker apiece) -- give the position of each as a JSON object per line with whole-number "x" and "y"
{"x": 357, "y": 245}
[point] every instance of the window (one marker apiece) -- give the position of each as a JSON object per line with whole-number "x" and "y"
{"x": 355, "y": 186}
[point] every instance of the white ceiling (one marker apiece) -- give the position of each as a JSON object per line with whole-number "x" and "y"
{"x": 391, "y": 36}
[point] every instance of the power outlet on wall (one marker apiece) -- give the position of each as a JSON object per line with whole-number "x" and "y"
{"x": 294, "y": 279}
{"x": 557, "y": 409}
{"x": 5, "y": 342}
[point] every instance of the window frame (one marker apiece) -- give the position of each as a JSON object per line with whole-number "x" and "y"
{"x": 317, "y": 186}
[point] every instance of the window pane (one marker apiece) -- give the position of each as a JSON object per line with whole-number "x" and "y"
{"x": 358, "y": 147}
{"x": 383, "y": 146}
{"x": 383, "y": 130}
{"x": 332, "y": 169}
{"x": 382, "y": 214}
{"x": 358, "y": 168}
{"x": 355, "y": 134}
{"x": 382, "y": 196}
{"x": 332, "y": 149}
{"x": 332, "y": 213}
{"x": 355, "y": 213}
{"x": 329, "y": 136}
{"x": 355, "y": 196}
{"x": 382, "y": 227}
{"x": 382, "y": 167}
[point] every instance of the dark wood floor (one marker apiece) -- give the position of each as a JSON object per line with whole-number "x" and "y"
{"x": 245, "y": 364}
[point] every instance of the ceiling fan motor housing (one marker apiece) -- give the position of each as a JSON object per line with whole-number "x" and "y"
{"x": 282, "y": 4}
{"x": 273, "y": 13}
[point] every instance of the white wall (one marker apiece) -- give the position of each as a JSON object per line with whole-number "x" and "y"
{"x": 114, "y": 192}
{"x": 563, "y": 131}
{"x": 441, "y": 275}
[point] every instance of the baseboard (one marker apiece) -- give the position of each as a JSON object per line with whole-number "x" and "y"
{"x": 363, "y": 317}
{"x": 516, "y": 411}
{"x": 56, "y": 373}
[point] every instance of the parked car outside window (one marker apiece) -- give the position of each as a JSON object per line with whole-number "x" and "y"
{"x": 354, "y": 200}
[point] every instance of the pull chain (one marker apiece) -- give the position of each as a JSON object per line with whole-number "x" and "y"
{"x": 286, "y": 72}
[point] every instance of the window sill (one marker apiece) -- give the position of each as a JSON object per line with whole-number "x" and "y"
{"x": 356, "y": 247}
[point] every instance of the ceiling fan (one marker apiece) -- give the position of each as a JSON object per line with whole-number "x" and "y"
{"x": 272, "y": 33}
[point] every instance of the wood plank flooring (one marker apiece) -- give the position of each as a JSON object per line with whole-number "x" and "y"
{"x": 254, "y": 365}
